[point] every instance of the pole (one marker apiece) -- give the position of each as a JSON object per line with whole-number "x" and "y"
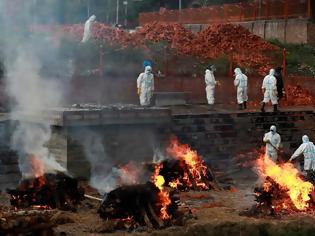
{"x": 117, "y": 12}
{"x": 284, "y": 62}
{"x": 309, "y": 9}
{"x": 101, "y": 62}
{"x": 180, "y": 10}
{"x": 88, "y": 8}
{"x": 126, "y": 12}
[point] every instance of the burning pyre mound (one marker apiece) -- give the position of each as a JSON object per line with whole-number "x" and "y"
{"x": 141, "y": 205}
{"x": 48, "y": 191}
{"x": 186, "y": 170}
{"x": 155, "y": 204}
{"x": 284, "y": 191}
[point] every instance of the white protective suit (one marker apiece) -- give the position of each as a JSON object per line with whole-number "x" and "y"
{"x": 145, "y": 85}
{"x": 210, "y": 86}
{"x": 273, "y": 141}
{"x": 307, "y": 148}
{"x": 240, "y": 83}
{"x": 270, "y": 87}
{"x": 88, "y": 28}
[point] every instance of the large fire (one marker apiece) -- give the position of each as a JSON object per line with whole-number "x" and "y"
{"x": 197, "y": 170}
{"x": 287, "y": 177}
{"x": 163, "y": 195}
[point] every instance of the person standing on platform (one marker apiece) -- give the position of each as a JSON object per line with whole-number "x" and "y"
{"x": 240, "y": 83}
{"x": 210, "y": 85}
{"x": 269, "y": 89}
{"x": 145, "y": 86}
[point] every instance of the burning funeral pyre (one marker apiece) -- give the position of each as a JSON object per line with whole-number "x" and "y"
{"x": 150, "y": 204}
{"x": 186, "y": 170}
{"x": 46, "y": 190}
{"x": 156, "y": 202}
{"x": 283, "y": 191}
{"x": 141, "y": 205}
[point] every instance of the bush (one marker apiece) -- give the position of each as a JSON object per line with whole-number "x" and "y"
{"x": 300, "y": 58}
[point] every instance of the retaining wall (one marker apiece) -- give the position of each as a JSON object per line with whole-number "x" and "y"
{"x": 218, "y": 137}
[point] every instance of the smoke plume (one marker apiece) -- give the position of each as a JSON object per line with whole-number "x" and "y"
{"x": 31, "y": 90}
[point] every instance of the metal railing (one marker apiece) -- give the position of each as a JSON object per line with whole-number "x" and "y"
{"x": 260, "y": 10}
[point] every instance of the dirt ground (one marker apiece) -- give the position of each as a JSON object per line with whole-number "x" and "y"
{"x": 214, "y": 213}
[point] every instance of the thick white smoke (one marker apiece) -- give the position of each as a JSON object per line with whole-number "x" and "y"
{"x": 103, "y": 177}
{"x": 30, "y": 92}
{"x": 32, "y": 95}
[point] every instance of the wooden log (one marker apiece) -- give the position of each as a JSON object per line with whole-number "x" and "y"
{"x": 146, "y": 218}
{"x": 93, "y": 198}
{"x": 157, "y": 219}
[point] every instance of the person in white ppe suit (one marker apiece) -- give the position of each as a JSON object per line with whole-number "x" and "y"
{"x": 240, "y": 83}
{"x": 269, "y": 89}
{"x": 145, "y": 86}
{"x": 210, "y": 85}
{"x": 273, "y": 141}
{"x": 307, "y": 148}
{"x": 88, "y": 29}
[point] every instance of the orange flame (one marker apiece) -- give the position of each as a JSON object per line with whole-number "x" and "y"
{"x": 37, "y": 166}
{"x": 195, "y": 164}
{"x": 287, "y": 176}
{"x": 163, "y": 195}
{"x": 175, "y": 183}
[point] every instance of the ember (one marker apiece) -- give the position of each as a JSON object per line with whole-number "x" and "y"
{"x": 188, "y": 171}
{"x": 47, "y": 191}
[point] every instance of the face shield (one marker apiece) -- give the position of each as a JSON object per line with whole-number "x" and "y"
{"x": 273, "y": 129}
{"x": 213, "y": 68}
{"x": 237, "y": 71}
{"x": 272, "y": 72}
{"x": 305, "y": 139}
{"x": 148, "y": 69}
{"x": 93, "y": 18}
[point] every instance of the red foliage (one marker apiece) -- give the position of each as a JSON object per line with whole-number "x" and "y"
{"x": 298, "y": 96}
{"x": 175, "y": 34}
{"x": 243, "y": 48}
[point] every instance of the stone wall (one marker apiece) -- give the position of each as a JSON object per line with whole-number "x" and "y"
{"x": 9, "y": 169}
{"x": 219, "y": 137}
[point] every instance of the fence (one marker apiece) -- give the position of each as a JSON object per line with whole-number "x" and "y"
{"x": 262, "y": 10}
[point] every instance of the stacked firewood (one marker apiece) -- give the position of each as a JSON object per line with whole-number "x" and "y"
{"x": 178, "y": 175}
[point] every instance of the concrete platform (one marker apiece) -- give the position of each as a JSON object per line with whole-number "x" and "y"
{"x": 91, "y": 115}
